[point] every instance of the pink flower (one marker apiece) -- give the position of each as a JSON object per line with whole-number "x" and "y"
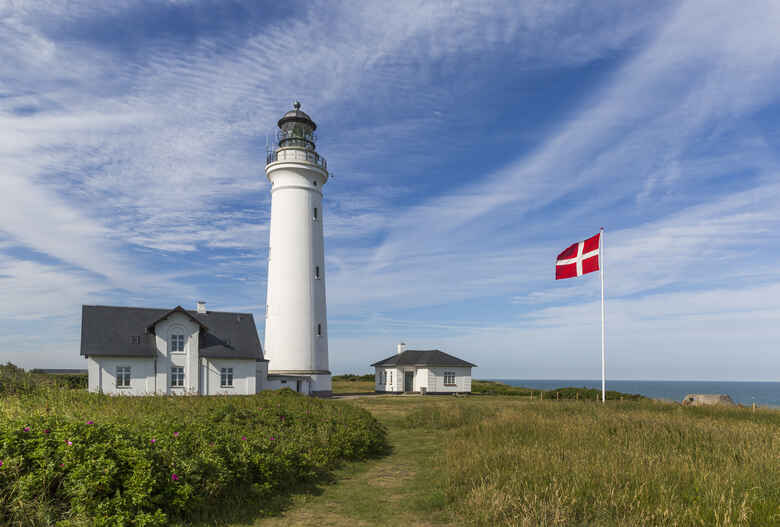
{"x": 26, "y": 428}
{"x": 152, "y": 440}
{"x": 243, "y": 438}
{"x": 176, "y": 434}
{"x": 70, "y": 443}
{"x": 174, "y": 477}
{"x": 272, "y": 438}
{"x": 1, "y": 463}
{"x": 90, "y": 422}
{"x": 62, "y": 464}
{"x": 46, "y": 431}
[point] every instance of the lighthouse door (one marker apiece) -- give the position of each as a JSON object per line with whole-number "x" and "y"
{"x": 408, "y": 381}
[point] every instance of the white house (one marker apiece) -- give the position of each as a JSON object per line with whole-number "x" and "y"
{"x": 428, "y": 371}
{"x": 142, "y": 351}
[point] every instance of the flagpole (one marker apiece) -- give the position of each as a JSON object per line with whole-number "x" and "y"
{"x": 603, "y": 354}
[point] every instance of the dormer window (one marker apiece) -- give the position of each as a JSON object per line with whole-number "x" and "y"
{"x": 177, "y": 343}
{"x": 135, "y": 339}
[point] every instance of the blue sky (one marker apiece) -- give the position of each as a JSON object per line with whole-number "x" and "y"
{"x": 469, "y": 144}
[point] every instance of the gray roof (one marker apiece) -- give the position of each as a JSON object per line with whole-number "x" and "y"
{"x": 107, "y": 331}
{"x": 423, "y": 358}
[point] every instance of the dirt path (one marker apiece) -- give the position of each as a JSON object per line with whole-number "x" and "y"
{"x": 378, "y": 492}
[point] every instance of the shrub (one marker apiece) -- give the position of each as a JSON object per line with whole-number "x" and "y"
{"x": 173, "y": 458}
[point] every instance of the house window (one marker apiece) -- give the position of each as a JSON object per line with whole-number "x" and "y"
{"x": 177, "y": 376}
{"x": 317, "y": 272}
{"x": 123, "y": 376}
{"x": 315, "y": 214}
{"x": 391, "y": 378}
{"x": 226, "y": 378}
{"x": 135, "y": 339}
{"x": 449, "y": 378}
{"x": 319, "y": 330}
{"x": 177, "y": 343}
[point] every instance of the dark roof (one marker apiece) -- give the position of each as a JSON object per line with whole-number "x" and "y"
{"x": 423, "y": 358}
{"x": 107, "y": 331}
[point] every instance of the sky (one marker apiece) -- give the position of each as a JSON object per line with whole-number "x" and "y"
{"x": 468, "y": 142}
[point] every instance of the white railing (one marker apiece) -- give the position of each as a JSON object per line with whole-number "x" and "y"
{"x": 296, "y": 154}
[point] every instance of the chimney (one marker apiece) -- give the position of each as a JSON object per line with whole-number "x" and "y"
{"x": 401, "y": 347}
{"x": 201, "y": 306}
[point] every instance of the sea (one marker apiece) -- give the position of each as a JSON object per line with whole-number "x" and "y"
{"x": 765, "y": 394}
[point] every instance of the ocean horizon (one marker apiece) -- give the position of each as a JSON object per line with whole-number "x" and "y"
{"x": 763, "y": 393}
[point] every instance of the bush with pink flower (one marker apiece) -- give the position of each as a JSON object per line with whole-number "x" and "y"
{"x": 103, "y": 460}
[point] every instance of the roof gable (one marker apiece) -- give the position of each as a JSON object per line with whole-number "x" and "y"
{"x": 177, "y": 309}
{"x": 423, "y": 358}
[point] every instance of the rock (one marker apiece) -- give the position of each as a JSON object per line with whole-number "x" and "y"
{"x": 707, "y": 399}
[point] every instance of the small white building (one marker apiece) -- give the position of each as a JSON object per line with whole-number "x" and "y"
{"x": 427, "y": 371}
{"x": 143, "y": 351}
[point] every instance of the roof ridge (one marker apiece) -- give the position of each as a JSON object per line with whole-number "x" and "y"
{"x": 168, "y": 309}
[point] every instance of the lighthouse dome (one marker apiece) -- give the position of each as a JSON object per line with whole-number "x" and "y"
{"x": 296, "y": 117}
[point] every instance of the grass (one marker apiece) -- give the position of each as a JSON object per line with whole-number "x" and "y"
{"x": 350, "y": 384}
{"x": 515, "y": 461}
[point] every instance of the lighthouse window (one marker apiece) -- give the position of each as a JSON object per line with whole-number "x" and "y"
{"x": 317, "y": 272}
{"x": 315, "y": 183}
{"x": 315, "y": 213}
{"x": 319, "y": 330}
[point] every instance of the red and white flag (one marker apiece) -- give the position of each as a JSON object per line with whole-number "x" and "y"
{"x": 578, "y": 259}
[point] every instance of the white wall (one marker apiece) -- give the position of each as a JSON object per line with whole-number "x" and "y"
{"x": 436, "y": 379}
{"x": 102, "y": 375}
{"x": 393, "y": 383}
{"x": 244, "y": 376}
{"x": 431, "y": 378}
{"x": 277, "y": 382}
{"x": 296, "y": 298}
{"x": 177, "y": 324}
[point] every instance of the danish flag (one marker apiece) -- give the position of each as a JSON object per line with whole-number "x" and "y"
{"x": 578, "y": 259}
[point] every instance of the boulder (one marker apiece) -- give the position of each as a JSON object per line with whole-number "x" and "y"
{"x": 707, "y": 399}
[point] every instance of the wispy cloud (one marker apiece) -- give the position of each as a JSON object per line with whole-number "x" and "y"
{"x": 469, "y": 144}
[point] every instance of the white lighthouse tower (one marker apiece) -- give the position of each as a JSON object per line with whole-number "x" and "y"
{"x": 296, "y": 325}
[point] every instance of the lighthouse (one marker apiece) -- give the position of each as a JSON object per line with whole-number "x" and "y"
{"x": 296, "y": 325}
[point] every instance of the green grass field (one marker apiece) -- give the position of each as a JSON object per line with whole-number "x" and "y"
{"x": 498, "y": 460}
{"x": 518, "y": 459}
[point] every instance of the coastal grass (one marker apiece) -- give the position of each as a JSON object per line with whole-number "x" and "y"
{"x": 352, "y": 384}
{"x": 515, "y": 461}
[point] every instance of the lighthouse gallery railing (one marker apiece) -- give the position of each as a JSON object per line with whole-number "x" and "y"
{"x": 295, "y": 154}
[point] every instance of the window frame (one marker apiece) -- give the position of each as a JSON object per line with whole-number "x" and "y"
{"x": 316, "y": 272}
{"x": 123, "y": 377}
{"x": 315, "y": 215}
{"x": 177, "y": 375}
{"x": 225, "y": 374}
{"x": 450, "y": 374}
{"x": 178, "y": 343}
